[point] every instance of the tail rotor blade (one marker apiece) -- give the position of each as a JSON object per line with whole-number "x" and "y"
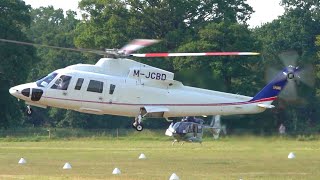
{"x": 289, "y": 58}
{"x": 293, "y": 74}
{"x": 270, "y": 73}
{"x": 306, "y": 76}
{"x": 290, "y": 91}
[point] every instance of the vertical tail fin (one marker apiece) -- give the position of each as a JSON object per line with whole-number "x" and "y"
{"x": 273, "y": 89}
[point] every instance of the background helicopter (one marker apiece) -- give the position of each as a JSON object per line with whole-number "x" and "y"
{"x": 121, "y": 86}
{"x": 191, "y": 129}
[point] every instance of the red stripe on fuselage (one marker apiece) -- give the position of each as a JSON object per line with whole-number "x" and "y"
{"x": 131, "y": 104}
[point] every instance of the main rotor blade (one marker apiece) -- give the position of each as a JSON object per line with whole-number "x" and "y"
{"x": 196, "y": 54}
{"x": 55, "y": 47}
{"x": 137, "y": 44}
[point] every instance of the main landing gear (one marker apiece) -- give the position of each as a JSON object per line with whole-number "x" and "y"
{"x": 29, "y": 111}
{"x": 137, "y": 123}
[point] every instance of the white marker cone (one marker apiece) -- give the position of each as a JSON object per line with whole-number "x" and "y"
{"x": 174, "y": 177}
{"x": 291, "y": 155}
{"x": 116, "y": 171}
{"x": 22, "y": 161}
{"x": 142, "y": 156}
{"x": 67, "y": 166}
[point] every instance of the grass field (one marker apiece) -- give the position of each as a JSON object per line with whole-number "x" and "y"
{"x": 245, "y": 157}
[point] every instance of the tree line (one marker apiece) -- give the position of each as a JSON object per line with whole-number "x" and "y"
{"x": 183, "y": 26}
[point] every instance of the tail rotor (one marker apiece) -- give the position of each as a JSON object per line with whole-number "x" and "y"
{"x": 294, "y": 75}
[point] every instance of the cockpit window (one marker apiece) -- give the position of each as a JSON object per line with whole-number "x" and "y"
{"x": 43, "y": 82}
{"x": 62, "y": 83}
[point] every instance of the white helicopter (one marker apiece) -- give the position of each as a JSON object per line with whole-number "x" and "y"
{"x": 124, "y": 87}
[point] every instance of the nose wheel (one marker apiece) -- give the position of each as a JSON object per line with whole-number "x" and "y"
{"x": 29, "y": 111}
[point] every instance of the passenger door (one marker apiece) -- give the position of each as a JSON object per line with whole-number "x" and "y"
{"x": 58, "y": 93}
{"x": 76, "y": 91}
{"x": 93, "y": 96}
{"x": 110, "y": 92}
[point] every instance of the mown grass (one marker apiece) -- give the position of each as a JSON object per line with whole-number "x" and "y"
{"x": 42, "y": 134}
{"x": 94, "y": 157}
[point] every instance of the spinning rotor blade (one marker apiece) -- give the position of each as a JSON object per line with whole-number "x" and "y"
{"x": 137, "y": 44}
{"x": 196, "y": 54}
{"x": 294, "y": 75}
{"x": 55, "y": 47}
{"x": 270, "y": 73}
{"x": 134, "y": 46}
{"x": 289, "y": 58}
{"x": 306, "y": 76}
{"x": 290, "y": 91}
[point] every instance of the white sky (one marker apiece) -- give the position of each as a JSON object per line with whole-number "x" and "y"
{"x": 266, "y": 10}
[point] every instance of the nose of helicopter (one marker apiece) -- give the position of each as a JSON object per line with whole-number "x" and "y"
{"x": 14, "y": 91}
{"x": 21, "y": 91}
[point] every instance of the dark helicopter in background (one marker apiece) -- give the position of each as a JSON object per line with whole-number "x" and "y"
{"x": 190, "y": 129}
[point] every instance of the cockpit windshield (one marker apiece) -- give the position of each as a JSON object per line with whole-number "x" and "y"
{"x": 43, "y": 82}
{"x": 181, "y": 127}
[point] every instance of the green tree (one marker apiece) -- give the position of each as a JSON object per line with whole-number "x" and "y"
{"x": 234, "y": 73}
{"x": 15, "y": 60}
{"x": 180, "y": 24}
{"x": 295, "y": 30}
{"x": 60, "y": 31}
{"x": 112, "y": 23}
{"x": 50, "y": 26}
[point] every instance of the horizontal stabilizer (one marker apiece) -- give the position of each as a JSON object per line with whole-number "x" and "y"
{"x": 152, "y": 109}
{"x": 91, "y": 111}
{"x": 267, "y": 106}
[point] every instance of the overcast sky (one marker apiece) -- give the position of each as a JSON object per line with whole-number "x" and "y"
{"x": 265, "y": 10}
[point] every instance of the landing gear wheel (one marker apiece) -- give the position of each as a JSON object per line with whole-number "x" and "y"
{"x": 137, "y": 123}
{"x": 29, "y": 111}
{"x": 139, "y": 127}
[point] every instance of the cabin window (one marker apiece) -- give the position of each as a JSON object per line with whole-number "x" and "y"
{"x": 95, "y": 86}
{"x": 62, "y": 83}
{"x": 79, "y": 84}
{"x": 112, "y": 87}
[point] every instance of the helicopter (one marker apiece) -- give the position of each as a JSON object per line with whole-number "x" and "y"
{"x": 117, "y": 85}
{"x": 190, "y": 129}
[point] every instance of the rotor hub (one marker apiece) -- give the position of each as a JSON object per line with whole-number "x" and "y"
{"x": 290, "y": 75}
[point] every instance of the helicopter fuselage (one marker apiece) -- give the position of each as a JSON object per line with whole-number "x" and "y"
{"x": 120, "y": 86}
{"x": 125, "y": 87}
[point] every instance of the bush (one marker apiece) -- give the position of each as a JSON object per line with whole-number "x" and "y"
{"x": 306, "y": 138}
